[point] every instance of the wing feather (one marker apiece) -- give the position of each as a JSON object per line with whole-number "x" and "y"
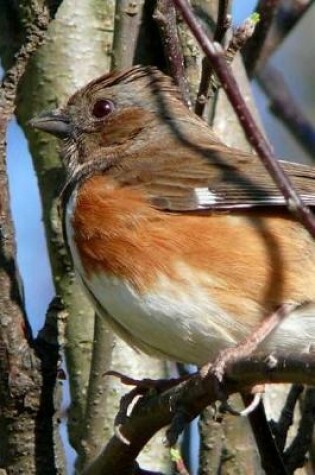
{"x": 208, "y": 178}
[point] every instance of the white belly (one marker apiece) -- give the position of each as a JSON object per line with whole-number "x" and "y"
{"x": 167, "y": 322}
{"x": 177, "y": 321}
{"x": 182, "y": 324}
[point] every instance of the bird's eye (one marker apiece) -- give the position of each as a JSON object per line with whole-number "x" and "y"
{"x": 102, "y": 108}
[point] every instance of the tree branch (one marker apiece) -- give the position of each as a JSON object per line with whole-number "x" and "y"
{"x": 270, "y": 455}
{"x": 154, "y": 412}
{"x": 126, "y": 30}
{"x": 267, "y": 10}
{"x": 165, "y": 16}
{"x": 281, "y": 428}
{"x": 26, "y": 393}
{"x": 223, "y": 23}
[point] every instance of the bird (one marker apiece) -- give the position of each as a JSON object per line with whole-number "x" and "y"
{"x": 184, "y": 244}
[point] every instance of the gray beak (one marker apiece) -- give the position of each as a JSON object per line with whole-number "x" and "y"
{"x": 54, "y": 122}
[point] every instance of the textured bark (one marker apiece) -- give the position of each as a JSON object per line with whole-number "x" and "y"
{"x": 28, "y": 428}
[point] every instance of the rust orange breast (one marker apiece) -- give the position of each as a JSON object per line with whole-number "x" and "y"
{"x": 247, "y": 259}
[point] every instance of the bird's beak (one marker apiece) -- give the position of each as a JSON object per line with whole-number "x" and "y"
{"x": 53, "y": 122}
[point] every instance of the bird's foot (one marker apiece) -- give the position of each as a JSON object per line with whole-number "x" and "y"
{"x": 244, "y": 350}
{"x": 142, "y": 387}
{"x": 216, "y": 370}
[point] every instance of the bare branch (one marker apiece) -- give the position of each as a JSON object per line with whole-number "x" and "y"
{"x": 223, "y": 23}
{"x": 240, "y": 36}
{"x": 271, "y": 457}
{"x": 154, "y": 412}
{"x": 208, "y": 80}
{"x": 126, "y": 30}
{"x": 165, "y": 16}
{"x": 25, "y": 389}
{"x": 95, "y": 413}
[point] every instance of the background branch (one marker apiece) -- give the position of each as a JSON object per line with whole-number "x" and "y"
{"x": 285, "y": 108}
{"x": 295, "y": 454}
{"x": 126, "y": 30}
{"x": 165, "y": 16}
{"x": 222, "y": 25}
{"x": 267, "y": 10}
{"x": 289, "y": 13}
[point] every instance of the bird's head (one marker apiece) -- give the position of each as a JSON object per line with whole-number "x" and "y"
{"x": 112, "y": 116}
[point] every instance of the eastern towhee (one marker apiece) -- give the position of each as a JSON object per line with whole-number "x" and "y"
{"x": 187, "y": 243}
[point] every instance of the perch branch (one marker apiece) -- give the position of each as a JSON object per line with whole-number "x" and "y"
{"x": 154, "y": 412}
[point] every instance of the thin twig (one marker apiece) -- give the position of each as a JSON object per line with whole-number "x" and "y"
{"x": 252, "y": 131}
{"x": 223, "y": 23}
{"x": 240, "y": 36}
{"x": 165, "y": 16}
{"x": 286, "y": 109}
{"x": 267, "y": 10}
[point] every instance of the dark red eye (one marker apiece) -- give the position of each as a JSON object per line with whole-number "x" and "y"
{"x": 102, "y": 108}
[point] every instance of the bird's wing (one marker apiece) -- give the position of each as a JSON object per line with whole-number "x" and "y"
{"x": 215, "y": 179}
